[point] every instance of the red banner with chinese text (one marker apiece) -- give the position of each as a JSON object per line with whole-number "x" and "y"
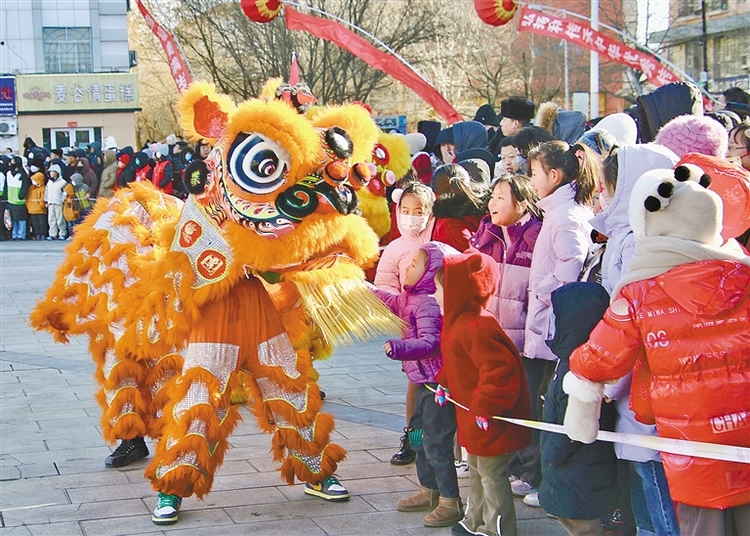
{"x": 177, "y": 66}
{"x": 586, "y": 37}
{"x": 332, "y": 31}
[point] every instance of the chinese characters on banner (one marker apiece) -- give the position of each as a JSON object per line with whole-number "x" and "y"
{"x": 586, "y": 37}
{"x": 96, "y": 93}
{"x": 177, "y": 65}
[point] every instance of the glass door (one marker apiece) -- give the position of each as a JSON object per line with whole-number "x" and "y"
{"x": 71, "y": 137}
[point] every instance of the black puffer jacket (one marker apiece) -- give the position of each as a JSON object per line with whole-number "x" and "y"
{"x": 579, "y": 481}
{"x": 667, "y": 102}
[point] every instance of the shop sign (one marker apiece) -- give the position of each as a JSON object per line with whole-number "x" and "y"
{"x": 7, "y": 95}
{"x": 71, "y": 92}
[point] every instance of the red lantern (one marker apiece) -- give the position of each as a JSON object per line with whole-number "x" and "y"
{"x": 495, "y": 12}
{"x": 261, "y": 10}
{"x": 732, "y": 183}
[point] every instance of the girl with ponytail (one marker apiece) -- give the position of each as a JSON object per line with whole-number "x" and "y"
{"x": 566, "y": 188}
{"x": 459, "y": 205}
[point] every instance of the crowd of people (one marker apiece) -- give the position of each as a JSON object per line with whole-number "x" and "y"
{"x": 546, "y": 268}
{"x": 542, "y": 205}
{"x": 46, "y": 193}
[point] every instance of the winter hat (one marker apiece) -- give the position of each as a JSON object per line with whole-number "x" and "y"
{"x": 55, "y": 167}
{"x": 124, "y": 158}
{"x": 141, "y": 159}
{"x": 36, "y": 165}
{"x": 80, "y": 153}
{"x": 445, "y": 137}
{"x": 76, "y": 179}
{"x": 478, "y": 271}
{"x": 600, "y": 141}
{"x": 621, "y": 126}
{"x": 430, "y": 129}
{"x": 478, "y": 169}
{"x": 676, "y": 203}
{"x": 694, "y": 134}
{"x": 162, "y": 150}
{"x": 487, "y": 116}
{"x": 416, "y": 141}
{"x": 422, "y": 165}
{"x": 110, "y": 143}
{"x": 519, "y": 108}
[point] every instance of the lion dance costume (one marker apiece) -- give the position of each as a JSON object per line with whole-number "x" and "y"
{"x": 192, "y": 309}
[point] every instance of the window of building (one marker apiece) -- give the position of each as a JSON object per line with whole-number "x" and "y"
{"x": 67, "y": 50}
{"x": 688, "y": 8}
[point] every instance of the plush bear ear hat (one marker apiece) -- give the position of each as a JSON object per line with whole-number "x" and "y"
{"x": 676, "y": 203}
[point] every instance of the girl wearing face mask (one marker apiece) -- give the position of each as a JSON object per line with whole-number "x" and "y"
{"x": 415, "y": 223}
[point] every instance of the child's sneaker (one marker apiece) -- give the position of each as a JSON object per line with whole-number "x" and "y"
{"x": 329, "y": 489}
{"x": 167, "y": 509}
{"x": 532, "y": 499}
{"x": 521, "y": 488}
{"x": 462, "y": 469}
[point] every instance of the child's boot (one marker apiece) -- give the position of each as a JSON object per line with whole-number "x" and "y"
{"x": 424, "y": 501}
{"x": 448, "y": 513}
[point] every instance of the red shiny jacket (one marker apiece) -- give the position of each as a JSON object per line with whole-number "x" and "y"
{"x": 686, "y": 335}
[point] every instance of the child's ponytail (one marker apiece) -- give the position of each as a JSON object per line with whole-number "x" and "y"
{"x": 589, "y": 169}
{"x": 561, "y": 156}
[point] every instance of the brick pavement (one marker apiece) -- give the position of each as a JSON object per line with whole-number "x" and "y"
{"x": 52, "y": 475}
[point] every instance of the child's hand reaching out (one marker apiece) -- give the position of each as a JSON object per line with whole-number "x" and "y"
{"x": 388, "y": 349}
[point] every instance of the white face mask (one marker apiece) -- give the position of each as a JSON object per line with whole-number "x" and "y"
{"x": 412, "y": 224}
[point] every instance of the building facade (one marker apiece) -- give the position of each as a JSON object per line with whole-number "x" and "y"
{"x": 66, "y": 67}
{"x": 727, "y": 36}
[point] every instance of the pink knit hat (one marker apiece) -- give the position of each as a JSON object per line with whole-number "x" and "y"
{"x": 694, "y": 134}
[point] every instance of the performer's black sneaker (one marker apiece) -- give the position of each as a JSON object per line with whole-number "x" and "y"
{"x": 167, "y": 509}
{"x": 127, "y": 452}
{"x": 329, "y": 489}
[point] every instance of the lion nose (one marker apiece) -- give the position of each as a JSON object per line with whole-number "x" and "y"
{"x": 359, "y": 175}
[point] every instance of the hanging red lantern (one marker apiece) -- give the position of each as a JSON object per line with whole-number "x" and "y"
{"x": 261, "y": 10}
{"x": 495, "y": 12}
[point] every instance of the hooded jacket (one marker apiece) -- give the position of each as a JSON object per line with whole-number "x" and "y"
{"x": 512, "y": 248}
{"x": 89, "y": 177}
{"x": 632, "y": 162}
{"x": 469, "y": 135}
{"x": 109, "y": 174}
{"x": 481, "y": 366}
{"x": 685, "y": 334}
{"x": 35, "y": 195}
{"x": 659, "y": 107}
{"x": 579, "y": 481}
{"x": 419, "y": 348}
{"x": 397, "y": 256}
{"x": 471, "y": 142}
{"x": 558, "y": 257}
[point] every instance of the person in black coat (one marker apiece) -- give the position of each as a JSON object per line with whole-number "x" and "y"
{"x": 579, "y": 481}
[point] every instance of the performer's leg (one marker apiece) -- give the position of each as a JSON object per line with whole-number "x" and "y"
{"x": 124, "y": 405}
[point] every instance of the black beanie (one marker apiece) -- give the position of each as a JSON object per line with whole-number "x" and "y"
{"x": 518, "y": 108}
{"x": 487, "y": 116}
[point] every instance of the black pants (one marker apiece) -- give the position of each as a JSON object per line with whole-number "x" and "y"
{"x": 435, "y": 468}
{"x": 39, "y": 225}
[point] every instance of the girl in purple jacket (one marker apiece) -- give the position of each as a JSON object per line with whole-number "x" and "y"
{"x": 431, "y": 427}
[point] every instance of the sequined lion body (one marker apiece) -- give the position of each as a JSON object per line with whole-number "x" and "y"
{"x": 194, "y": 308}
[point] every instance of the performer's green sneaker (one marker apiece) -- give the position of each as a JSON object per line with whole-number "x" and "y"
{"x": 329, "y": 489}
{"x": 167, "y": 509}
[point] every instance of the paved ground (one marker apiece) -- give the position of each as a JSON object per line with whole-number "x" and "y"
{"x": 52, "y": 475}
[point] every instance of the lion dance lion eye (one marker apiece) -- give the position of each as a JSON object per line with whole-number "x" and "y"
{"x": 257, "y": 165}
